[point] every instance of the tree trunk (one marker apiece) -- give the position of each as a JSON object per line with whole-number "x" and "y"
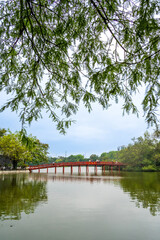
{"x": 14, "y": 164}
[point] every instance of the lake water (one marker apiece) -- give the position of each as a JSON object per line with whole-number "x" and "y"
{"x": 114, "y": 206}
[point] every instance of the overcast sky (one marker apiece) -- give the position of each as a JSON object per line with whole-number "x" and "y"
{"x": 93, "y": 133}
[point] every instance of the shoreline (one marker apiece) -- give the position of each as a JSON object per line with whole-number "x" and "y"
{"x": 13, "y": 171}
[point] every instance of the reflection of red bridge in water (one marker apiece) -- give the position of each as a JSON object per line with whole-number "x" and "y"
{"x": 110, "y": 165}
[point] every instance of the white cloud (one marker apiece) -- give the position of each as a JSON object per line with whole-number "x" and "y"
{"x": 86, "y": 132}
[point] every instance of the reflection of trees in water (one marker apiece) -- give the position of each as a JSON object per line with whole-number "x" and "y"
{"x": 23, "y": 192}
{"x": 144, "y": 189}
{"x": 19, "y": 194}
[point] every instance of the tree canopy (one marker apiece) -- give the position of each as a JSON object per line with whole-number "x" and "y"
{"x": 11, "y": 147}
{"x": 142, "y": 154}
{"x": 22, "y": 151}
{"x": 56, "y": 54}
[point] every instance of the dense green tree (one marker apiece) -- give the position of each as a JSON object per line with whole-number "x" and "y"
{"x": 110, "y": 156}
{"x": 52, "y": 159}
{"x": 93, "y": 157}
{"x": 75, "y": 158}
{"x": 104, "y": 157}
{"x": 22, "y": 149}
{"x": 142, "y": 154}
{"x": 55, "y": 54}
{"x": 38, "y": 150}
{"x": 11, "y": 147}
{"x": 58, "y": 160}
{"x": 104, "y": 154}
{"x": 113, "y": 155}
{"x": 156, "y": 155}
{"x": 2, "y": 132}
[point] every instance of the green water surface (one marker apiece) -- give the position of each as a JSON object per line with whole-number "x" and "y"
{"x": 115, "y": 206}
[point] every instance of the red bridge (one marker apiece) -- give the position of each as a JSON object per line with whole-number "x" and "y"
{"x": 110, "y": 165}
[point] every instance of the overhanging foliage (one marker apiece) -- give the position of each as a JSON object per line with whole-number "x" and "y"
{"x": 55, "y": 54}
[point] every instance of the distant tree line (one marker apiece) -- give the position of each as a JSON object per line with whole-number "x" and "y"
{"x": 143, "y": 154}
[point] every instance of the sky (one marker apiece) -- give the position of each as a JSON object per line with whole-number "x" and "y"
{"x": 93, "y": 133}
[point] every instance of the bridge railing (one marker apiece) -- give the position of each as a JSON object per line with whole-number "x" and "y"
{"x": 69, "y": 164}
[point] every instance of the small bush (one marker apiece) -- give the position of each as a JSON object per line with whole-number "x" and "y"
{"x": 149, "y": 168}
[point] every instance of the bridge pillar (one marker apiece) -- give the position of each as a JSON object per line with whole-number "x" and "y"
{"x": 95, "y": 169}
{"x": 47, "y": 170}
{"x": 103, "y": 169}
{"x": 63, "y": 169}
{"x": 55, "y": 168}
{"x": 111, "y": 168}
{"x": 87, "y": 170}
{"x": 79, "y": 169}
{"x": 71, "y": 169}
{"x": 39, "y": 170}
